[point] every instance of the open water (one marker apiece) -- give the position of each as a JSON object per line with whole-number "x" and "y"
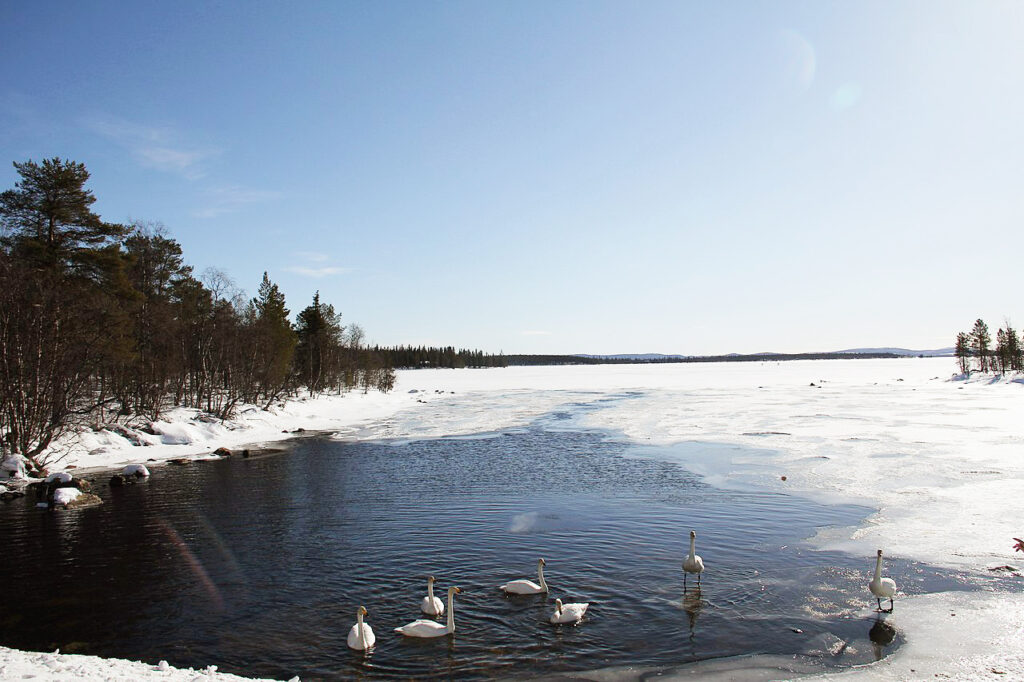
{"x": 258, "y": 565}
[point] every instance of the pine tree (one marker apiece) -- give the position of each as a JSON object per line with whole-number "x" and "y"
{"x": 1013, "y": 349}
{"x": 63, "y": 318}
{"x": 273, "y": 341}
{"x": 980, "y": 340}
{"x": 50, "y": 222}
{"x": 319, "y": 350}
{"x": 962, "y": 352}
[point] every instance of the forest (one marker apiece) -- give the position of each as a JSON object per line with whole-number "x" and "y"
{"x": 104, "y": 322}
{"x": 974, "y": 350}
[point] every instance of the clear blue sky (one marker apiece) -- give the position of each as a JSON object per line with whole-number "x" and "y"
{"x": 680, "y": 177}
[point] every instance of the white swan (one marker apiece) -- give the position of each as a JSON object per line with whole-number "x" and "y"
{"x": 528, "y": 586}
{"x": 882, "y": 588}
{"x": 361, "y": 636}
{"x": 692, "y": 563}
{"x": 431, "y": 605}
{"x": 431, "y": 628}
{"x": 568, "y": 613}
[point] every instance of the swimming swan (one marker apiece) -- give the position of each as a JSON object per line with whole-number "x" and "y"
{"x": 692, "y": 563}
{"x": 431, "y": 605}
{"x": 361, "y": 636}
{"x": 430, "y": 628}
{"x": 528, "y": 586}
{"x": 568, "y": 613}
{"x": 882, "y": 588}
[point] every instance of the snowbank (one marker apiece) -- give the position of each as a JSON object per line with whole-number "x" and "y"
{"x": 47, "y": 667}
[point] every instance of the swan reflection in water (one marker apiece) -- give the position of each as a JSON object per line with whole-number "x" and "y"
{"x": 882, "y": 634}
{"x": 693, "y": 604}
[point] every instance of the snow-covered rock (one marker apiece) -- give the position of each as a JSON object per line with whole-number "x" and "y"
{"x": 60, "y": 477}
{"x": 137, "y": 470}
{"x": 65, "y": 496}
{"x": 13, "y": 466}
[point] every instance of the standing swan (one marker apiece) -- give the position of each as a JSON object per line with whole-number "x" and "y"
{"x": 361, "y": 636}
{"x": 568, "y": 613}
{"x": 692, "y": 563}
{"x": 527, "y": 586}
{"x": 431, "y": 605}
{"x": 882, "y": 588}
{"x": 430, "y": 628}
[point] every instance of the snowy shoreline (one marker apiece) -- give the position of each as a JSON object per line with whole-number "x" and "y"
{"x": 939, "y": 460}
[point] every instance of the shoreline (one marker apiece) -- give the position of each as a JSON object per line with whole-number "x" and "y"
{"x": 954, "y": 444}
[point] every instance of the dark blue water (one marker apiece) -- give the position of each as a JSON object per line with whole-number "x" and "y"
{"x": 258, "y": 565}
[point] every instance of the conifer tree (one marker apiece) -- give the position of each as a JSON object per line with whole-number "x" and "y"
{"x": 273, "y": 341}
{"x": 319, "y": 349}
{"x": 980, "y": 340}
{"x": 962, "y": 351}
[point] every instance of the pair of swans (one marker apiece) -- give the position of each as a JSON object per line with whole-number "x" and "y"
{"x": 564, "y": 613}
{"x": 882, "y": 588}
{"x": 432, "y": 606}
{"x": 361, "y": 637}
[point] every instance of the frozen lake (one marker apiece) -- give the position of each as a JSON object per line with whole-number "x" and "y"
{"x": 259, "y": 564}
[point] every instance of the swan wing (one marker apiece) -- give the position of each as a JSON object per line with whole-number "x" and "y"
{"x": 695, "y": 565}
{"x": 571, "y": 613}
{"x": 368, "y": 637}
{"x": 423, "y": 628}
{"x": 435, "y": 608}
{"x": 522, "y": 587}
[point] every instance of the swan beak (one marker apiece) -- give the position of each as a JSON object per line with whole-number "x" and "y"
{"x": 458, "y": 590}
{"x": 543, "y": 563}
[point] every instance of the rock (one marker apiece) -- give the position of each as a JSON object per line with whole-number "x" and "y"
{"x": 180, "y": 461}
{"x": 414, "y": 390}
{"x": 62, "y": 497}
{"x": 128, "y": 434}
{"x": 222, "y": 452}
{"x": 245, "y": 453}
{"x": 299, "y": 430}
{"x": 60, "y": 477}
{"x": 84, "y": 500}
{"x": 13, "y": 466}
{"x": 136, "y": 470}
{"x": 118, "y": 480}
{"x": 82, "y": 484}
{"x": 8, "y": 495}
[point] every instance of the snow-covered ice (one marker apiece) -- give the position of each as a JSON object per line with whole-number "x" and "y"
{"x": 941, "y": 460}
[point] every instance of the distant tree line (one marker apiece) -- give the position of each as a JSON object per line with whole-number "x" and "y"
{"x": 415, "y": 357}
{"x": 100, "y": 321}
{"x": 529, "y": 360}
{"x": 974, "y": 350}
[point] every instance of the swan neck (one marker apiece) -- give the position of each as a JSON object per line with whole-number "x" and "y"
{"x": 878, "y": 568}
{"x": 430, "y": 592}
{"x": 359, "y": 629}
{"x": 693, "y": 547}
{"x": 540, "y": 577}
{"x": 451, "y": 612}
